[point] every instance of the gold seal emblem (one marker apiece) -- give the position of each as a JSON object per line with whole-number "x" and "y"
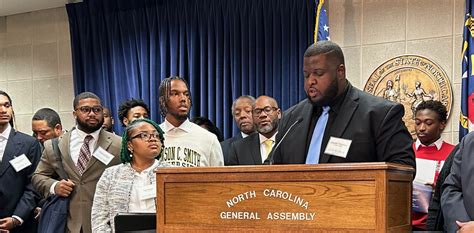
{"x": 410, "y": 80}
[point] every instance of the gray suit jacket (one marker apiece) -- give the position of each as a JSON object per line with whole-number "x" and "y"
{"x": 457, "y": 199}
{"x": 246, "y": 151}
{"x": 83, "y": 194}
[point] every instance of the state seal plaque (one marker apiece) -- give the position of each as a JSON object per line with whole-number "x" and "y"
{"x": 410, "y": 80}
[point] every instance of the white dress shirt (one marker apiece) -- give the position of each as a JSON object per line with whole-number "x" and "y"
{"x": 244, "y": 135}
{"x": 438, "y": 143}
{"x": 3, "y": 144}
{"x": 4, "y": 139}
{"x": 137, "y": 204}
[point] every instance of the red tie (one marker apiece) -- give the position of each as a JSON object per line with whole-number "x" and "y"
{"x": 84, "y": 155}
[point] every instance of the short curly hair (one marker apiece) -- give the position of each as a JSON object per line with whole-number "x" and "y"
{"x": 435, "y": 106}
{"x": 125, "y": 107}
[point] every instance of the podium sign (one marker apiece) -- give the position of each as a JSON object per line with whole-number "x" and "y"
{"x": 347, "y": 197}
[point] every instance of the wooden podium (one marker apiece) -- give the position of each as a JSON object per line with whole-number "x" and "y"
{"x": 344, "y": 197}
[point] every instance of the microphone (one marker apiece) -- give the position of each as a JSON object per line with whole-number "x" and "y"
{"x": 269, "y": 160}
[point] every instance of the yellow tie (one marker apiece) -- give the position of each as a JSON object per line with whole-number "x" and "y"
{"x": 268, "y": 146}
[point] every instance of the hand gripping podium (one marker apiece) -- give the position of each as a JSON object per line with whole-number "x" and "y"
{"x": 344, "y": 197}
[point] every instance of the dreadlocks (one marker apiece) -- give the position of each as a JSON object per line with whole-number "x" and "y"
{"x": 165, "y": 90}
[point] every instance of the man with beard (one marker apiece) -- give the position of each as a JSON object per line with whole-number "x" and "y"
{"x": 254, "y": 149}
{"x": 242, "y": 112}
{"x": 86, "y": 151}
{"x": 339, "y": 123}
{"x": 186, "y": 144}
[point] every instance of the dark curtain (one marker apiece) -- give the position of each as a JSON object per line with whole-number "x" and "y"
{"x": 123, "y": 48}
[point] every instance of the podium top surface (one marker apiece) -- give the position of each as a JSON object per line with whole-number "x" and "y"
{"x": 290, "y": 167}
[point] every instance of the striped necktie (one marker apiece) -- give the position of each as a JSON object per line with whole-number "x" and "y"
{"x": 84, "y": 155}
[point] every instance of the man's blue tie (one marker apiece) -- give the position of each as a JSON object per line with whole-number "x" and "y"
{"x": 317, "y": 138}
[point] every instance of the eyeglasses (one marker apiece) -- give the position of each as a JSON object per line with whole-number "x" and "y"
{"x": 267, "y": 110}
{"x": 88, "y": 109}
{"x": 146, "y": 136}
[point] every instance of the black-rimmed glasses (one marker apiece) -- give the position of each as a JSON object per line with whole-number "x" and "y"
{"x": 88, "y": 109}
{"x": 146, "y": 136}
{"x": 267, "y": 110}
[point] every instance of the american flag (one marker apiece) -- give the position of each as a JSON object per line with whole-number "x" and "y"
{"x": 466, "y": 123}
{"x": 321, "y": 28}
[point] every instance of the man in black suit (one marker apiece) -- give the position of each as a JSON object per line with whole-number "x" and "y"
{"x": 242, "y": 112}
{"x": 19, "y": 156}
{"x": 254, "y": 149}
{"x": 354, "y": 126}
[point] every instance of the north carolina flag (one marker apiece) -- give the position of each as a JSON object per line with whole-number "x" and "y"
{"x": 321, "y": 27}
{"x": 467, "y": 90}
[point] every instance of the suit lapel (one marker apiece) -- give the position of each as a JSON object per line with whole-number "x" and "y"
{"x": 302, "y": 130}
{"x": 64, "y": 148}
{"x": 103, "y": 141}
{"x": 343, "y": 118}
{"x": 11, "y": 150}
{"x": 255, "y": 149}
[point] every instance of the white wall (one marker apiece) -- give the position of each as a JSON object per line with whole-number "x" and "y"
{"x": 35, "y": 64}
{"x": 373, "y": 31}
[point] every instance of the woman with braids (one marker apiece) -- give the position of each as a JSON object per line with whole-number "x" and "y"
{"x": 124, "y": 188}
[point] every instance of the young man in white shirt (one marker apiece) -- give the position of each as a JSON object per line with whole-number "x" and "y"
{"x": 186, "y": 144}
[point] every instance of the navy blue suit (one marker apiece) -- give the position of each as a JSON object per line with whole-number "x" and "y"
{"x": 17, "y": 196}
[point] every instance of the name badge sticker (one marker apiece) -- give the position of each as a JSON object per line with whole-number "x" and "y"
{"x": 148, "y": 191}
{"x": 103, "y": 156}
{"x": 338, "y": 147}
{"x": 19, "y": 163}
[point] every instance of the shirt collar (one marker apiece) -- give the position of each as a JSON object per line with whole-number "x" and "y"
{"x": 152, "y": 167}
{"x": 263, "y": 138}
{"x": 438, "y": 143}
{"x": 335, "y": 105}
{"x": 244, "y": 135}
{"x": 83, "y": 134}
{"x": 185, "y": 126}
{"x": 6, "y": 133}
